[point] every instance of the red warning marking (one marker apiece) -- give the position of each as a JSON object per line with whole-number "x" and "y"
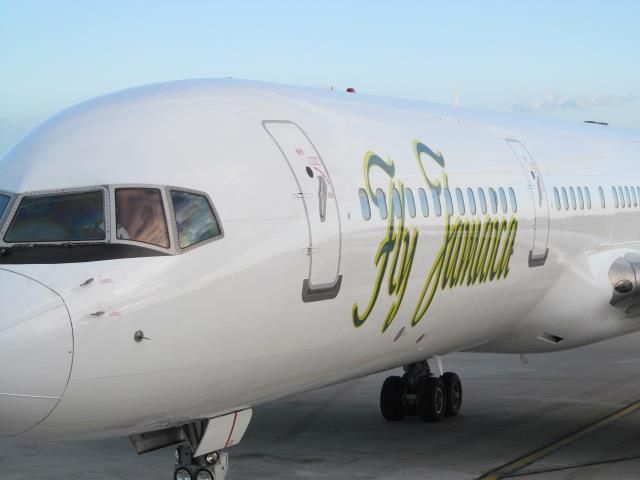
{"x": 233, "y": 425}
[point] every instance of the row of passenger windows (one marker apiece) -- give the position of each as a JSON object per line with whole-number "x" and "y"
{"x": 494, "y": 200}
{"x": 623, "y": 197}
{"x": 580, "y": 197}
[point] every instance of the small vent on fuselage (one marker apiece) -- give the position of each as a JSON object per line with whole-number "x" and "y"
{"x": 550, "y": 338}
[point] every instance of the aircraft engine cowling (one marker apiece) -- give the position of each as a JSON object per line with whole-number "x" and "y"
{"x": 624, "y": 275}
{"x": 597, "y": 296}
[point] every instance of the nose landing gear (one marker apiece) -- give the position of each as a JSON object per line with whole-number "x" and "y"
{"x": 213, "y": 466}
{"x": 194, "y": 440}
{"x": 419, "y": 393}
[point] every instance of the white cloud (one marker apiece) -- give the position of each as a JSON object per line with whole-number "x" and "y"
{"x": 551, "y": 101}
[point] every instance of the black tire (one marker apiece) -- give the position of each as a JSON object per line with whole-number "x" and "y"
{"x": 432, "y": 402}
{"x": 391, "y": 404}
{"x": 453, "y": 390}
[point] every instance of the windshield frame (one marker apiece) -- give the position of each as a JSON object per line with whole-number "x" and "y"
{"x": 171, "y": 250}
{"x": 16, "y": 200}
{"x": 174, "y": 227}
{"x": 122, "y": 248}
{"x": 5, "y": 214}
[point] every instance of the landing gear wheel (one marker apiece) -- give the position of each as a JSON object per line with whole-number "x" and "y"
{"x": 391, "y": 404}
{"x": 453, "y": 390}
{"x": 432, "y": 400}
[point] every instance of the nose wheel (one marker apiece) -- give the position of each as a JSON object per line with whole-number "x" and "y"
{"x": 213, "y": 466}
{"x": 420, "y": 393}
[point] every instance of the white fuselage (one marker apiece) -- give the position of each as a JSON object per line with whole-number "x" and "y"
{"x": 228, "y": 323}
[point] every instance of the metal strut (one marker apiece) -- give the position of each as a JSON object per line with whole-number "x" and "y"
{"x": 415, "y": 372}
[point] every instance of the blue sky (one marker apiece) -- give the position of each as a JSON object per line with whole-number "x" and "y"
{"x": 568, "y": 59}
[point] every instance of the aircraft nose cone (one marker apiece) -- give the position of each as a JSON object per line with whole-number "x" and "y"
{"x": 36, "y": 350}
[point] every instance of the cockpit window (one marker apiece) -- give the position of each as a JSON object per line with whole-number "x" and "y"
{"x": 58, "y": 218}
{"x": 195, "y": 220}
{"x": 140, "y": 216}
{"x": 4, "y": 201}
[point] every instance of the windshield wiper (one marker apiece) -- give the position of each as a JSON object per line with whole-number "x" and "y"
{"x": 4, "y": 251}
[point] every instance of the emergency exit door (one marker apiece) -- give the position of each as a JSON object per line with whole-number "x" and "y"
{"x": 315, "y": 191}
{"x": 540, "y": 248}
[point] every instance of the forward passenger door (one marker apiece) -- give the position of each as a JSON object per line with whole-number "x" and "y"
{"x": 316, "y": 192}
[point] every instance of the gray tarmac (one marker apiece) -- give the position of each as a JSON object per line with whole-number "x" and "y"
{"x": 560, "y": 416}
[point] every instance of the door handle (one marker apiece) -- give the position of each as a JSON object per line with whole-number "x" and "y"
{"x": 539, "y": 184}
{"x": 322, "y": 197}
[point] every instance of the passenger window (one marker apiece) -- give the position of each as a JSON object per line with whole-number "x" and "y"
{"x": 410, "y": 201}
{"x": 424, "y": 204}
{"x": 493, "y": 198}
{"x": 195, "y": 220}
{"x": 627, "y": 196}
{"x": 437, "y": 206}
{"x": 633, "y": 196}
{"x": 587, "y": 197}
{"x": 514, "y": 201}
{"x": 565, "y": 199}
{"x": 460, "y": 200}
{"x": 615, "y": 197}
{"x": 64, "y": 217}
{"x": 572, "y": 196}
{"x": 556, "y": 196}
{"x": 472, "y": 201}
{"x": 621, "y": 196}
{"x": 580, "y": 198}
{"x": 483, "y": 201}
{"x": 397, "y": 204}
{"x": 448, "y": 201}
{"x": 365, "y": 206}
{"x": 603, "y": 201}
{"x": 382, "y": 203}
{"x": 140, "y": 216}
{"x": 503, "y": 199}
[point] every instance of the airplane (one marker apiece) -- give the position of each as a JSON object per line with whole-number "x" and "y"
{"x": 173, "y": 255}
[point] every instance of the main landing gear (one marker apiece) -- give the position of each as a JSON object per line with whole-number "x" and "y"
{"x": 419, "y": 393}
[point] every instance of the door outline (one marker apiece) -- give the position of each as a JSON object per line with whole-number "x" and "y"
{"x": 531, "y": 169}
{"x": 327, "y": 291}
